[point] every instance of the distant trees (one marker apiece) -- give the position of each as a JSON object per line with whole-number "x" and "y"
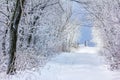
{"x": 33, "y": 30}
{"x": 106, "y": 22}
{"x": 70, "y": 35}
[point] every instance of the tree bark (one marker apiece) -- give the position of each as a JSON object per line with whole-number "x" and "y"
{"x": 13, "y": 35}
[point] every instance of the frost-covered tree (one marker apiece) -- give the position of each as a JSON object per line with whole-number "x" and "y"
{"x": 70, "y": 35}
{"x": 32, "y": 31}
{"x": 6, "y": 9}
{"x": 106, "y": 22}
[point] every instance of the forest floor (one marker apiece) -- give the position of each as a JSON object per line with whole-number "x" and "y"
{"x": 81, "y": 64}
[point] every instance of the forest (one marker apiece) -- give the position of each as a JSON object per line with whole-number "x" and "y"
{"x": 32, "y": 32}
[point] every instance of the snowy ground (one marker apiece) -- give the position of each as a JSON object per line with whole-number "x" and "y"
{"x": 80, "y": 64}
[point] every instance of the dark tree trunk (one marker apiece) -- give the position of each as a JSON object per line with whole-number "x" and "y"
{"x": 13, "y": 35}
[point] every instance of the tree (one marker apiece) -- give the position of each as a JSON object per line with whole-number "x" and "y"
{"x": 105, "y": 16}
{"x": 33, "y": 31}
{"x": 13, "y": 34}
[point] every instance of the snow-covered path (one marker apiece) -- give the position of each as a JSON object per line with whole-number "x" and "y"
{"x": 83, "y": 64}
{"x": 80, "y": 64}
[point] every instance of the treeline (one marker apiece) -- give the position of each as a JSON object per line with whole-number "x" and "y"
{"x": 33, "y": 30}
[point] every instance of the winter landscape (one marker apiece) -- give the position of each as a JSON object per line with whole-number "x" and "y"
{"x": 59, "y": 39}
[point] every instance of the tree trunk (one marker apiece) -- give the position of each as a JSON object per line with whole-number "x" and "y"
{"x": 13, "y": 35}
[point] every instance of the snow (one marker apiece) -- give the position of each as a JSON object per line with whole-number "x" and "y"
{"x": 77, "y": 66}
{"x": 81, "y": 64}
{"x": 83, "y": 49}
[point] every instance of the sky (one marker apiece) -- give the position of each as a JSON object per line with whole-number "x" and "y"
{"x": 86, "y": 29}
